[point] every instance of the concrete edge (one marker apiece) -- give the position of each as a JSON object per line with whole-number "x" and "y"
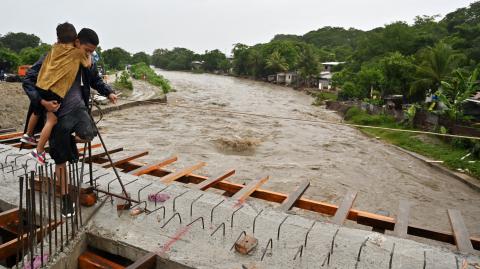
{"x": 108, "y": 109}
{"x": 471, "y": 182}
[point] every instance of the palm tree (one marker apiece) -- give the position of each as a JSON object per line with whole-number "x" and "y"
{"x": 276, "y": 63}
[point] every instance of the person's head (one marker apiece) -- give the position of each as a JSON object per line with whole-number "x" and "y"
{"x": 66, "y": 33}
{"x": 87, "y": 40}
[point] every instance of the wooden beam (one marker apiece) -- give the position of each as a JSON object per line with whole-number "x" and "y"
{"x": 97, "y": 156}
{"x": 180, "y": 173}
{"x": 342, "y": 212}
{"x": 245, "y": 192}
{"x": 292, "y": 198}
{"x": 149, "y": 167}
{"x": 7, "y": 130}
{"x": 126, "y": 159}
{"x": 94, "y": 146}
{"x": 214, "y": 180}
{"x": 148, "y": 261}
{"x": 11, "y": 135}
{"x": 9, "y": 220}
{"x": 401, "y": 222}
{"x": 460, "y": 232}
{"x": 90, "y": 260}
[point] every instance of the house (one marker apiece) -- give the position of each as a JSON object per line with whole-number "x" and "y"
{"x": 272, "y": 78}
{"x": 328, "y": 66}
{"x": 287, "y": 78}
{"x": 196, "y": 65}
{"x": 325, "y": 80}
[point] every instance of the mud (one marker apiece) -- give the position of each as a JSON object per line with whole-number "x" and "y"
{"x": 334, "y": 158}
{"x": 13, "y": 105}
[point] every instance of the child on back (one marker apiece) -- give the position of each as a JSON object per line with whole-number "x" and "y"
{"x": 55, "y": 78}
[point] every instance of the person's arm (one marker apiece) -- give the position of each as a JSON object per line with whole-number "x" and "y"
{"x": 30, "y": 81}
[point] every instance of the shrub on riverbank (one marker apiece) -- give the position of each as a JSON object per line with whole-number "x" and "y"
{"x": 321, "y": 97}
{"x": 450, "y": 151}
{"x": 142, "y": 71}
{"x": 123, "y": 82}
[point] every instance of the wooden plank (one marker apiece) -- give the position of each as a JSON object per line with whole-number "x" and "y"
{"x": 94, "y": 146}
{"x": 149, "y": 167}
{"x": 294, "y": 196}
{"x": 183, "y": 172}
{"x": 401, "y": 222}
{"x": 126, "y": 159}
{"x": 11, "y": 135}
{"x": 460, "y": 232}
{"x": 214, "y": 180}
{"x": 148, "y": 261}
{"x": 8, "y": 130}
{"x": 90, "y": 260}
{"x": 8, "y": 220}
{"x": 342, "y": 212}
{"x": 97, "y": 156}
{"x": 245, "y": 192}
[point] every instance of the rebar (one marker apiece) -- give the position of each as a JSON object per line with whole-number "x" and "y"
{"x": 270, "y": 243}
{"x": 218, "y": 227}
{"x": 279, "y": 226}
{"x": 199, "y": 218}
{"x": 255, "y": 220}
{"x": 40, "y": 193}
{"x": 78, "y": 195}
{"x": 175, "y": 214}
{"x": 191, "y": 204}
{"x": 300, "y": 250}
{"x": 175, "y": 199}
{"x": 308, "y": 232}
{"x": 49, "y": 195}
{"x": 158, "y": 208}
{"x": 390, "y": 262}
{"x": 141, "y": 189}
{"x": 360, "y": 252}
{"x": 233, "y": 214}
{"x": 160, "y": 192}
{"x": 238, "y": 238}
{"x": 213, "y": 208}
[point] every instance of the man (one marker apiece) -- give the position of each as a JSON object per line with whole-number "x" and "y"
{"x": 73, "y": 114}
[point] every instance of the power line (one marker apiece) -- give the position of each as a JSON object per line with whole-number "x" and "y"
{"x": 306, "y": 120}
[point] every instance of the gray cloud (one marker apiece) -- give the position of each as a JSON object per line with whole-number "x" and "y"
{"x": 200, "y": 25}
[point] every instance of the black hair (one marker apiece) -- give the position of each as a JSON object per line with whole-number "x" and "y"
{"x": 66, "y": 33}
{"x": 89, "y": 36}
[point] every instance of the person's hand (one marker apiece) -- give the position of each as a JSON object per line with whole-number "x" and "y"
{"x": 50, "y": 106}
{"x": 113, "y": 98}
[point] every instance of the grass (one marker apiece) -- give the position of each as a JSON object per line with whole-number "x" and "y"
{"x": 436, "y": 149}
{"x": 321, "y": 97}
{"x": 141, "y": 69}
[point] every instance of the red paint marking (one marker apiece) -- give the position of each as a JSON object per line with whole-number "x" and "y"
{"x": 179, "y": 234}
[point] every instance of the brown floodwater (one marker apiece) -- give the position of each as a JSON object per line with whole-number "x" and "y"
{"x": 334, "y": 158}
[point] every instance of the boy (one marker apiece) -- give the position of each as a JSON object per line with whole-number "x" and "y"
{"x": 56, "y": 75}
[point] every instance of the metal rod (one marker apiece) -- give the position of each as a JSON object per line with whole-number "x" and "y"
{"x": 20, "y": 223}
{"x": 55, "y": 206}
{"x": 141, "y": 189}
{"x": 191, "y": 204}
{"x": 300, "y": 250}
{"x": 175, "y": 199}
{"x": 255, "y": 220}
{"x": 238, "y": 238}
{"x": 279, "y": 226}
{"x": 71, "y": 196}
{"x": 175, "y": 214}
{"x": 79, "y": 188}
{"x": 90, "y": 165}
{"x": 40, "y": 193}
{"x": 60, "y": 175}
{"x": 49, "y": 195}
{"x": 270, "y": 243}
{"x": 231, "y": 218}
{"x": 162, "y": 207}
{"x": 213, "y": 208}
{"x": 308, "y": 232}
{"x": 73, "y": 179}
{"x": 218, "y": 227}
{"x": 32, "y": 217}
{"x": 158, "y": 193}
{"x": 199, "y": 218}
{"x": 390, "y": 262}
{"x": 360, "y": 252}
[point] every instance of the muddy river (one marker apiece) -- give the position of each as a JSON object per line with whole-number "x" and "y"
{"x": 334, "y": 158}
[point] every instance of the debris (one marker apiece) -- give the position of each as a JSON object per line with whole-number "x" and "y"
{"x": 246, "y": 244}
{"x": 136, "y": 211}
{"x": 158, "y": 197}
{"x": 37, "y": 262}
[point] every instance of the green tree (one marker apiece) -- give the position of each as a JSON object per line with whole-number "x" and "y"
{"x": 212, "y": 60}
{"x": 308, "y": 65}
{"x": 18, "y": 41}
{"x": 398, "y": 72}
{"x": 116, "y": 58}
{"x": 9, "y": 60}
{"x": 31, "y": 55}
{"x": 141, "y": 57}
{"x": 370, "y": 78}
{"x": 276, "y": 63}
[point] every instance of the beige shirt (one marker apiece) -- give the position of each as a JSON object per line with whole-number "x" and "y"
{"x": 60, "y": 68}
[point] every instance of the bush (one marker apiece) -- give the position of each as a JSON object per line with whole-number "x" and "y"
{"x": 124, "y": 82}
{"x": 141, "y": 69}
{"x": 350, "y": 92}
{"x": 321, "y": 97}
{"x": 358, "y": 116}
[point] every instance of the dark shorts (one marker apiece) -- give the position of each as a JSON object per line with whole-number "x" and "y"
{"x": 47, "y": 96}
{"x": 62, "y": 140}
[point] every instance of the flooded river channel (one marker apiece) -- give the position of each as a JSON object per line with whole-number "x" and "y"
{"x": 334, "y": 158}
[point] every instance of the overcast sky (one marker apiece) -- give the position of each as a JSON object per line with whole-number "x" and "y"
{"x": 144, "y": 25}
